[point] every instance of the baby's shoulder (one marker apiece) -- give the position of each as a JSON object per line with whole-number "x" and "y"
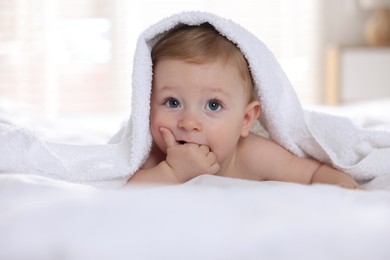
{"x": 255, "y": 157}
{"x": 252, "y": 145}
{"x": 254, "y": 141}
{"x": 255, "y": 148}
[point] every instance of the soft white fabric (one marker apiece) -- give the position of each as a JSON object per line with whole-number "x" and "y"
{"x": 362, "y": 153}
{"x": 208, "y": 218}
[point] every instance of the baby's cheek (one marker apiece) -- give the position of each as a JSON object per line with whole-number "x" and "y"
{"x": 157, "y": 121}
{"x": 156, "y": 135}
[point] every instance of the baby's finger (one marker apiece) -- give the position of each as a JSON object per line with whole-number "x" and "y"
{"x": 204, "y": 148}
{"x": 168, "y": 137}
{"x": 211, "y": 157}
{"x": 214, "y": 168}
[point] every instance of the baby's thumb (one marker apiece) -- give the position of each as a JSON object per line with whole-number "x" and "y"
{"x": 168, "y": 137}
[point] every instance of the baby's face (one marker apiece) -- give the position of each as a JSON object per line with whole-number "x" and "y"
{"x": 199, "y": 103}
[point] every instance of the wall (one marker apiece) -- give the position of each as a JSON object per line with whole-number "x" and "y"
{"x": 342, "y": 23}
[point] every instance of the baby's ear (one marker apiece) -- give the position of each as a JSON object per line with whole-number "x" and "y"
{"x": 252, "y": 112}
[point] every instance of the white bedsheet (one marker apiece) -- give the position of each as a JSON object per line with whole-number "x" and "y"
{"x": 207, "y": 218}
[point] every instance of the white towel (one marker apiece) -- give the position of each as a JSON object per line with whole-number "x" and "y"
{"x": 361, "y": 153}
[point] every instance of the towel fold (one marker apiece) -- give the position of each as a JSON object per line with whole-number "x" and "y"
{"x": 361, "y": 153}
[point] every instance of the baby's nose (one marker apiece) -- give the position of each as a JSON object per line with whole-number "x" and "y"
{"x": 190, "y": 122}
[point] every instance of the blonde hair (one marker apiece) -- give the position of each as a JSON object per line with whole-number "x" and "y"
{"x": 201, "y": 44}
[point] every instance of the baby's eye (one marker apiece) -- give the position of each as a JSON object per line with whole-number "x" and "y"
{"x": 214, "y": 105}
{"x": 172, "y": 102}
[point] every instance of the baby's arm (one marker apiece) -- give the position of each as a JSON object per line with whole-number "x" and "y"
{"x": 183, "y": 162}
{"x": 271, "y": 161}
{"x": 329, "y": 175}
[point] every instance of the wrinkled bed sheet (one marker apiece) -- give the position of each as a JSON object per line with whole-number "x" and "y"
{"x": 207, "y": 218}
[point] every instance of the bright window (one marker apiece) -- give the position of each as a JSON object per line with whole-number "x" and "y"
{"x": 66, "y": 57}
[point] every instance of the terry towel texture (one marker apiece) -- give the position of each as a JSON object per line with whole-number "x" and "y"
{"x": 362, "y": 153}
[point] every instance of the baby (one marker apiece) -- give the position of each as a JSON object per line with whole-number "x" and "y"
{"x": 203, "y": 107}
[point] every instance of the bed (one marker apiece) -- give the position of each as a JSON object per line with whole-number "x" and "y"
{"x": 209, "y": 217}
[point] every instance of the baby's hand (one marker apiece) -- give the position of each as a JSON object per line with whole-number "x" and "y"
{"x": 188, "y": 160}
{"x": 352, "y": 186}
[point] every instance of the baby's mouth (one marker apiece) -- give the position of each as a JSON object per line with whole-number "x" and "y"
{"x": 182, "y": 142}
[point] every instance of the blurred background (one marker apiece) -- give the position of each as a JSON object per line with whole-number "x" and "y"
{"x": 69, "y": 58}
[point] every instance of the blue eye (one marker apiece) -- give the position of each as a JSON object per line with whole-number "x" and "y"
{"x": 172, "y": 102}
{"x": 214, "y": 105}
